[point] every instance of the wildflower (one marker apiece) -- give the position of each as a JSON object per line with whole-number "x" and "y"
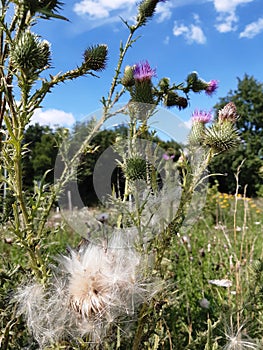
{"x": 228, "y": 113}
{"x": 93, "y": 287}
{"x": 167, "y": 157}
{"x": 199, "y": 119}
{"x": 223, "y": 135}
{"x": 143, "y": 72}
{"x": 211, "y": 87}
{"x": 201, "y": 116}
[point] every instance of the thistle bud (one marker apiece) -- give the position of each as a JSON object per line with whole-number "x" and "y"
{"x": 192, "y": 78}
{"x": 128, "y": 79}
{"x": 196, "y": 136}
{"x": 228, "y": 113}
{"x": 194, "y": 83}
{"x": 199, "y": 85}
{"x": 136, "y": 169}
{"x": 95, "y": 57}
{"x": 143, "y": 93}
{"x": 29, "y": 54}
{"x": 164, "y": 84}
{"x": 146, "y": 10}
{"x": 181, "y": 102}
{"x": 173, "y": 99}
{"x": 221, "y": 137}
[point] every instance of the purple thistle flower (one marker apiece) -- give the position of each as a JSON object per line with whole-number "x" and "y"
{"x": 142, "y": 71}
{"x": 200, "y": 116}
{"x": 167, "y": 157}
{"x": 211, "y": 87}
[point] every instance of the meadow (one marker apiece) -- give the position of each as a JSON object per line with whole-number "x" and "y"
{"x": 214, "y": 274}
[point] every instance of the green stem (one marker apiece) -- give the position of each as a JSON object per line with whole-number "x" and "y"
{"x": 139, "y": 331}
{"x": 123, "y": 50}
{"x": 19, "y": 186}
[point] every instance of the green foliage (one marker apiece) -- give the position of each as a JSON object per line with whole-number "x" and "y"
{"x": 41, "y": 143}
{"x": 248, "y": 98}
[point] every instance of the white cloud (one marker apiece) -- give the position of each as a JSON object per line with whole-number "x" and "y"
{"x": 53, "y": 117}
{"x": 192, "y": 33}
{"x": 229, "y": 5}
{"x": 163, "y": 12}
{"x": 197, "y": 35}
{"x": 227, "y": 23}
{"x": 196, "y": 18}
{"x": 102, "y": 12}
{"x": 227, "y": 18}
{"x": 252, "y": 29}
{"x": 101, "y": 8}
{"x": 180, "y": 29}
{"x": 166, "y": 40}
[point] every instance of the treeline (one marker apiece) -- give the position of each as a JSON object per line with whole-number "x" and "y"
{"x": 43, "y": 143}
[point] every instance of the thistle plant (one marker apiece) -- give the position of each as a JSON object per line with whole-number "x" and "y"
{"x": 25, "y": 58}
{"x": 94, "y": 291}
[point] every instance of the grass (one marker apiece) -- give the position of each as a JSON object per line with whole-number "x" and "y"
{"x": 214, "y": 273}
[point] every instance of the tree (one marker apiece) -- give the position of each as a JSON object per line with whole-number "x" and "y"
{"x": 41, "y": 154}
{"x": 248, "y": 98}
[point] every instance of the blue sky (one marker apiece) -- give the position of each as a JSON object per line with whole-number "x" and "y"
{"x": 220, "y": 39}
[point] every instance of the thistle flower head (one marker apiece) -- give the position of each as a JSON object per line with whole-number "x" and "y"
{"x": 201, "y": 116}
{"x": 92, "y": 288}
{"x": 211, "y": 87}
{"x": 172, "y": 99}
{"x": 136, "y": 169}
{"x": 168, "y": 157}
{"x": 128, "y": 79}
{"x": 30, "y": 55}
{"x": 221, "y": 137}
{"x": 146, "y": 10}
{"x": 95, "y": 57}
{"x": 102, "y": 280}
{"x": 142, "y": 71}
{"x": 228, "y": 113}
